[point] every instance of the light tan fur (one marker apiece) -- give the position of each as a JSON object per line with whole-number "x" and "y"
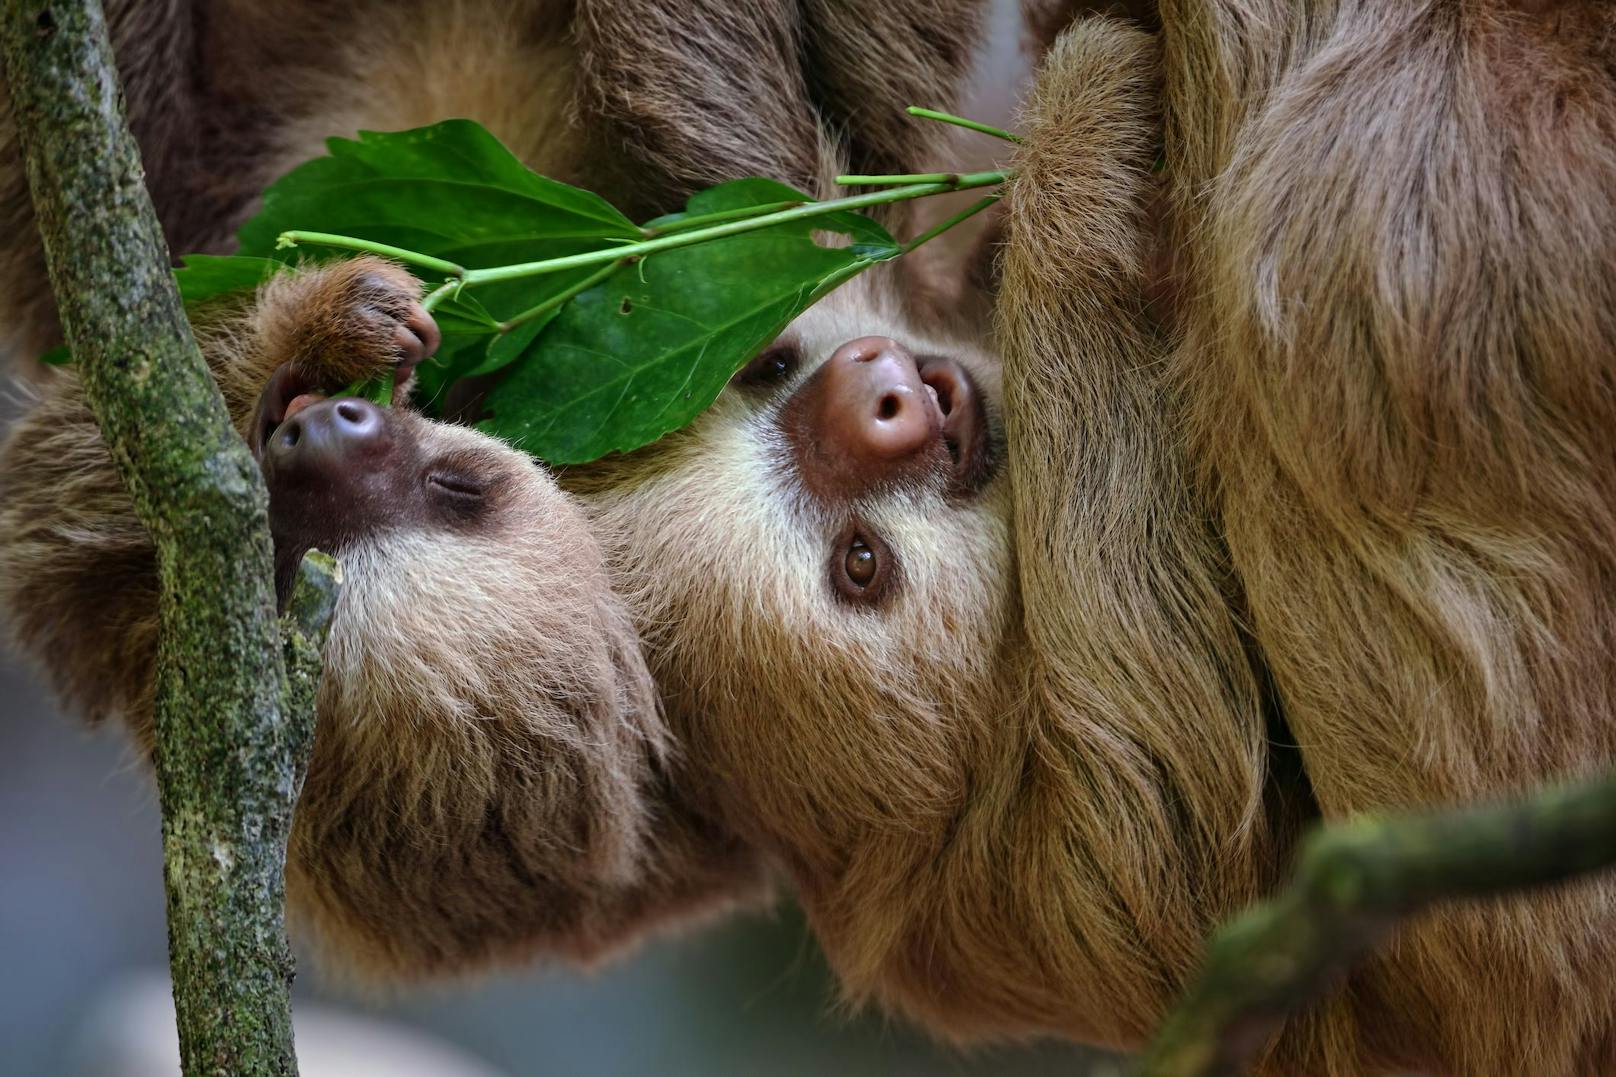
{"x": 492, "y": 777}
{"x": 1357, "y": 493}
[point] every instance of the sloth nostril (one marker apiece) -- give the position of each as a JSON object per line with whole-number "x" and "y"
{"x": 290, "y": 434}
{"x": 889, "y": 407}
{"x": 350, "y": 411}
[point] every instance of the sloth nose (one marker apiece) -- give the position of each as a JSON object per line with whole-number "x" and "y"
{"x": 877, "y": 405}
{"x": 864, "y": 420}
{"x": 322, "y": 439}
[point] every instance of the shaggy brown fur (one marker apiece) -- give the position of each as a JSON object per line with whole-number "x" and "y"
{"x": 641, "y": 100}
{"x": 486, "y": 716}
{"x": 1399, "y": 373}
{"x": 1362, "y": 498}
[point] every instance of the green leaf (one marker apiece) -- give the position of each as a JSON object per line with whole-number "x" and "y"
{"x": 377, "y": 390}
{"x": 509, "y": 347}
{"x": 449, "y": 190}
{"x": 648, "y": 349}
{"x": 453, "y": 191}
{"x": 57, "y": 356}
{"x": 463, "y": 314}
{"x": 207, "y": 276}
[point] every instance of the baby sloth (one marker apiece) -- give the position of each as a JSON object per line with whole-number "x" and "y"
{"x": 492, "y": 774}
{"x": 488, "y": 748}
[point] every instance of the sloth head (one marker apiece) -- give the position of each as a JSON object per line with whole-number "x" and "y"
{"x": 470, "y": 589}
{"x": 821, "y": 569}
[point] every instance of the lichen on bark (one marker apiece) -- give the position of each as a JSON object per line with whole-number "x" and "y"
{"x": 235, "y": 683}
{"x": 1355, "y": 883}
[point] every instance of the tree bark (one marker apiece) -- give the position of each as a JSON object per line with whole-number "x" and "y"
{"x": 1355, "y": 882}
{"x": 234, "y": 699}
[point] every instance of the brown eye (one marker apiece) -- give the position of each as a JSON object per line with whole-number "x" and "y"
{"x": 770, "y": 368}
{"x": 860, "y": 563}
{"x": 863, "y": 569}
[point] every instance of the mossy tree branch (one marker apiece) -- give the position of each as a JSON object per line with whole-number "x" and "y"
{"x": 1354, "y": 884}
{"x": 234, "y": 695}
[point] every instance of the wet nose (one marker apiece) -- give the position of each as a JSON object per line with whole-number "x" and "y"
{"x": 323, "y": 438}
{"x": 865, "y": 419}
{"x": 876, "y": 404}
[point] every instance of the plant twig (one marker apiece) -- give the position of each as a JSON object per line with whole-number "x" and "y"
{"x": 562, "y": 296}
{"x": 900, "y": 178}
{"x": 938, "y": 229}
{"x": 961, "y": 121}
{"x": 232, "y": 731}
{"x": 473, "y": 277}
{"x": 366, "y": 246}
{"x": 702, "y": 220}
{"x": 732, "y": 228}
{"x": 440, "y": 293}
{"x": 1354, "y": 883}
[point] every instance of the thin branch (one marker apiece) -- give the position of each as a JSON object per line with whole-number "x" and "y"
{"x": 961, "y": 121}
{"x": 562, "y": 296}
{"x": 232, "y": 732}
{"x": 897, "y": 179}
{"x": 472, "y": 277}
{"x": 440, "y": 293}
{"x": 702, "y": 220}
{"x": 366, "y": 246}
{"x": 959, "y": 218}
{"x": 1354, "y": 884}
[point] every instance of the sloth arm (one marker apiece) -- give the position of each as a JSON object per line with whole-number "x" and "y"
{"x": 1400, "y": 361}
{"x": 1145, "y": 721}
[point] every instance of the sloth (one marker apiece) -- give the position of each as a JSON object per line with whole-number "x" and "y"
{"x": 1023, "y": 660}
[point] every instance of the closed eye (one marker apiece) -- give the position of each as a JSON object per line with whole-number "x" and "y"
{"x": 455, "y": 485}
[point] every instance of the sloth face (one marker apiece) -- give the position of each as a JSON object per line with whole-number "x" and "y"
{"x": 821, "y": 566}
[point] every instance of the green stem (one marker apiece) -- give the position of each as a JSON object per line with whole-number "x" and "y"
{"x": 327, "y": 239}
{"x": 966, "y": 181}
{"x": 685, "y": 224}
{"x": 937, "y": 230}
{"x": 884, "y": 181}
{"x": 961, "y": 121}
{"x": 440, "y": 293}
{"x": 562, "y": 296}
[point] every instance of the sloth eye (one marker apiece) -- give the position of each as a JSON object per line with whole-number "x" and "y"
{"x": 770, "y": 368}
{"x": 456, "y": 486}
{"x": 862, "y": 568}
{"x": 860, "y": 564}
{"x": 459, "y": 497}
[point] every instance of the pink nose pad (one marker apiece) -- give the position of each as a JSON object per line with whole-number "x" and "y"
{"x": 876, "y": 403}
{"x": 864, "y": 420}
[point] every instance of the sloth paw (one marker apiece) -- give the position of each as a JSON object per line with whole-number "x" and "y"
{"x": 348, "y": 322}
